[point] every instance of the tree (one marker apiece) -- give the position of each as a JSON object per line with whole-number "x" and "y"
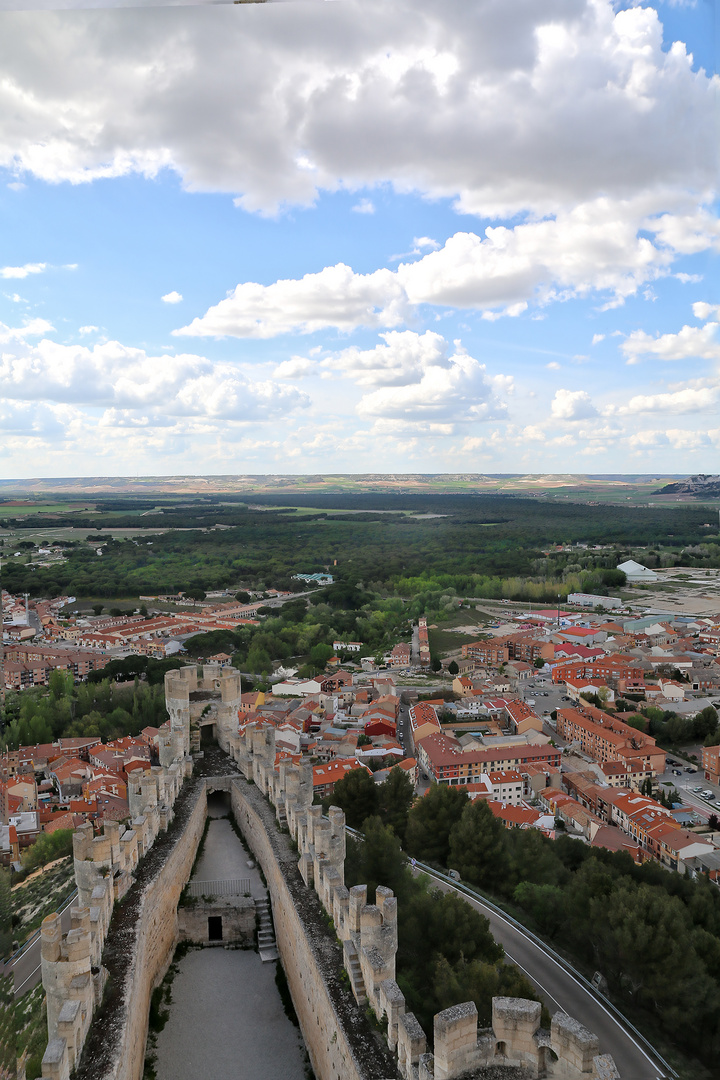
{"x": 395, "y": 799}
{"x": 98, "y": 609}
{"x": 47, "y": 847}
{"x": 638, "y": 722}
{"x": 478, "y": 848}
{"x": 431, "y": 820}
{"x": 453, "y": 668}
{"x": 378, "y": 859}
{"x": 357, "y": 795}
{"x": 705, "y": 724}
{"x": 243, "y": 597}
{"x": 713, "y": 823}
{"x": 436, "y": 664}
{"x": 320, "y": 654}
{"x": 60, "y": 683}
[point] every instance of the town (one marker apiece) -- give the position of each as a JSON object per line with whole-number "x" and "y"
{"x": 547, "y": 718}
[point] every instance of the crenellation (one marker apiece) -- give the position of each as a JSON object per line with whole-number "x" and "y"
{"x": 105, "y": 865}
{"x": 369, "y": 934}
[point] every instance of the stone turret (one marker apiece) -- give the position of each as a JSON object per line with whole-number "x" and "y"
{"x": 66, "y": 968}
{"x": 179, "y": 685}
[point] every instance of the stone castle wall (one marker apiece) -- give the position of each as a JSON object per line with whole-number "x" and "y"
{"x": 336, "y": 1033}
{"x": 368, "y": 933}
{"x": 155, "y": 941}
{"x": 320, "y": 926}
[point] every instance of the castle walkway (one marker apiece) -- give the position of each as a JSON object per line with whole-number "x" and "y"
{"x": 227, "y": 1020}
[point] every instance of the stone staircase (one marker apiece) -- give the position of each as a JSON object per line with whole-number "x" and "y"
{"x": 267, "y": 946}
{"x": 352, "y": 966}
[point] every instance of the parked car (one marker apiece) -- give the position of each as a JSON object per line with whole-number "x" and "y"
{"x": 708, "y": 794}
{"x": 453, "y": 873}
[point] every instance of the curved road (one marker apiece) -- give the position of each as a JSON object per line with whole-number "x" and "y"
{"x": 562, "y": 990}
{"x": 26, "y": 967}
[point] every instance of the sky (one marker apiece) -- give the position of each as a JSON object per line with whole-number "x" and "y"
{"x": 360, "y": 236}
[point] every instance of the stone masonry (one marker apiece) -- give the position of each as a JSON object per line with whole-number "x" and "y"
{"x": 72, "y": 973}
{"x": 368, "y": 933}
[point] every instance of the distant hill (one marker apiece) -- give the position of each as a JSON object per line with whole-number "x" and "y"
{"x": 703, "y": 486}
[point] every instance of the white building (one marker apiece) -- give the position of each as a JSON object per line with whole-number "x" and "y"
{"x": 636, "y": 572}
{"x": 590, "y": 600}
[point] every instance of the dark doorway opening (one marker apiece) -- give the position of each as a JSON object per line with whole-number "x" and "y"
{"x": 215, "y": 928}
{"x": 207, "y": 734}
{"x": 218, "y": 804}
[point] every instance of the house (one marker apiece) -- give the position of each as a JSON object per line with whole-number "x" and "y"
{"x": 516, "y": 817}
{"x": 294, "y": 687}
{"x": 326, "y": 776}
{"x": 506, "y": 786}
{"x": 9, "y": 846}
{"x": 251, "y": 701}
{"x": 399, "y": 656}
{"x": 614, "y": 840}
{"x": 606, "y": 738}
{"x": 711, "y": 763}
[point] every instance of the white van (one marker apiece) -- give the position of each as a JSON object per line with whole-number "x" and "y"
{"x": 708, "y": 794}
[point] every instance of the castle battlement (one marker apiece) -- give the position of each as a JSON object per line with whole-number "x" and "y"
{"x": 369, "y": 936}
{"x": 105, "y": 865}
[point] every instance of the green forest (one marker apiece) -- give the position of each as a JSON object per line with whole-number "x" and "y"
{"x": 481, "y": 546}
{"x": 103, "y": 708}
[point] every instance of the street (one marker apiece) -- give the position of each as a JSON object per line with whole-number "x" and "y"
{"x": 26, "y": 968}
{"x": 561, "y": 990}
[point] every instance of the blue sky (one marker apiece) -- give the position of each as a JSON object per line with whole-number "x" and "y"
{"x": 383, "y": 244}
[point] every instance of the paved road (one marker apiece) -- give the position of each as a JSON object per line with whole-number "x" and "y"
{"x": 415, "y": 654}
{"x": 562, "y": 991}
{"x": 26, "y": 969}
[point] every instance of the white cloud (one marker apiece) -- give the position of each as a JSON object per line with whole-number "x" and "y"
{"x": 456, "y": 391}
{"x": 123, "y": 378}
{"x": 703, "y": 310}
{"x": 7, "y": 272}
{"x": 592, "y": 248}
{"x": 572, "y": 405}
{"x": 88, "y": 329}
{"x": 689, "y": 400}
{"x": 689, "y": 279}
{"x": 334, "y": 297}
{"x": 553, "y": 366}
{"x": 365, "y": 206}
{"x": 420, "y": 242}
{"x": 536, "y": 106}
{"x": 403, "y": 359}
{"x": 31, "y": 328}
{"x": 597, "y": 338}
{"x": 172, "y": 297}
{"x": 297, "y": 367}
{"x": 15, "y": 298}
{"x": 689, "y": 343}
